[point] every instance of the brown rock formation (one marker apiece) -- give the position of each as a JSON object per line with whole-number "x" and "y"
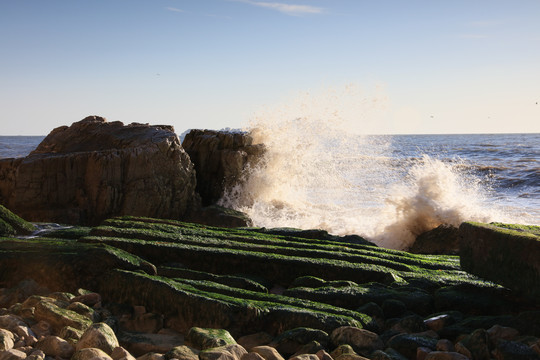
{"x": 220, "y": 159}
{"x": 96, "y": 169}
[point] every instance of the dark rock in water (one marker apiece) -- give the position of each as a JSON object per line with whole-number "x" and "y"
{"x": 95, "y": 169}
{"x": 215, "y": 215}
{"x": 11, "y": 224}
{"x": 441, "y": 240}
{"x": 505, "y": 254}
{"x": 220, "y": 159}
{"x": 512, "y": 350}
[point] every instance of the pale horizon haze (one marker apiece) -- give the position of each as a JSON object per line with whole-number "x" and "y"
{"x": 384, "y": 67}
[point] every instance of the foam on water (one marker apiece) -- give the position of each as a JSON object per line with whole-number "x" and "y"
{"x": 320, "y": 173}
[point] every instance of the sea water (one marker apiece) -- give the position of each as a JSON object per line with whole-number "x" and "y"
{"x": 386, "y": 188}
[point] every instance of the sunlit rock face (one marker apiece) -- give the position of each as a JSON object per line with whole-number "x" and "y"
{"x": 96, "y": 169}
{"x": 221, "y": 160}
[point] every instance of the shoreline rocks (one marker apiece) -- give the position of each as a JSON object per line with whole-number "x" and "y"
{"x": 95, "y": 169}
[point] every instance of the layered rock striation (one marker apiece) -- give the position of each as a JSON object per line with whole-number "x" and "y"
{"x": 220, "y": 159}
{"x": 94, "y": 169}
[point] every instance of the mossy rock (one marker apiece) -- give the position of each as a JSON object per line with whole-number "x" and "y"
{"x": 352, "y": 297}
{"x": 60, "y": 264}
{"x": 204, "y": 338}
{"x": 209, "y": 309}
{"x": 11, "y": 224}
{"x": 506, "y": 254}
{"x": 240, "y": 282}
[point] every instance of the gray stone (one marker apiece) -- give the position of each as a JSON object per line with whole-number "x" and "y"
{"x": 99, "y": 336}
{"x": 267, "y": 352}
{"x": 55, "y": 346}
{"x": 12, "y": 354}
{"x": 360, "y": 339}
{"x": 204, "y": 338}
{"x": 7, "y": 340}
{"x": 90, "y": 354}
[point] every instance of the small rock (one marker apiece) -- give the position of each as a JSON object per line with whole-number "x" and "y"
{"x": 84, "y": 310}
{"x": 99, "y": 336}
{"x": 359, "y": 339}
{"x": 393, "y": 308}
{"x": 41, "y": 328}
{"x": 67, "y": 332}
{"x": 410, "y": 324}
{"x": 151, "y": 356}
{"x": 146, "y": 323}
{"x": 422, "y": 352}
{"x": 38, "y": 353}
{"x": 90, "y": 354}
{"x": 436, "y": 323}
{"x": 477, "y": 344}
{"x": 182, "y": 352}
{"x": 513, "y": 350}
{"x": 445, "y": 345}
{"x": 12, "y": 354}
{"x": 443, "y": 355}
{"x": 290, "y": 341}
{"x": 62, "y": 296}
{"x": 267, "y": 352}
{"x": 497, "y": 332}
{"x": 55, "y": 346}
{"x": 252, "y": 356}
{"x": 121, "y": 353}
{"x": 209, "y": 338}
{"x": 461, "y": 349}
{"x": 388, "y": 354}
{"x": 351, "y": 357}
{"x": 311, "y": 347}
{"x": 252, "y": 340}
{"x": 7, "y": 340}
{"x": 58, "y": 317}
{"x": 323, "y": 355}
{"x": 140, "y": 344}
{"x": 342, "y": 349}
{"x": 406, "y": 344}
{"x": 228, "y": 352}
{"x": 89, "y": 299}
{"x": 305, "y": 357}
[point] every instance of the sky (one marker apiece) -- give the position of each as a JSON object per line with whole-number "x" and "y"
{"x": 384, "y": 67}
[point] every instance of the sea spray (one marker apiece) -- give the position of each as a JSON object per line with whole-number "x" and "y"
{"x": 320, "y": 172}
{"x": 431, "y": 193}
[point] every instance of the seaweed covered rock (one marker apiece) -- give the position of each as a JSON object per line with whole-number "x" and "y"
{"x": 95, "y": 169}
{"x": 505, "y": 254}
{"x": 11, "y": 224}
{"x": 441, "y": 240}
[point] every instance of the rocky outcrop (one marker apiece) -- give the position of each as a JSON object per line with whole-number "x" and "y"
{"x": 505, "y": 254}
{"x": 11, "y": 224}
{"x": 220, "y": 159}
{"x": 95, "y": 169}
{"x": 441, "y": 240}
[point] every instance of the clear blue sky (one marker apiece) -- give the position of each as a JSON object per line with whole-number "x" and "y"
{"x": 437, "y": 66}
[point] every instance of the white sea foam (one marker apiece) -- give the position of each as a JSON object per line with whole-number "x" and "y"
{"x": 318, "y": 173}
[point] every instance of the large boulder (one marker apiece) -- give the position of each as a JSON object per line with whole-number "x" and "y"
{"x": 505, "y": 254}
{"x": 96, "y": 169}
{"x": 220, "y": 159}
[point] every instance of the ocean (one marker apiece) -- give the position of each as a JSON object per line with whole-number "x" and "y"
{"x": 386, "y": 188}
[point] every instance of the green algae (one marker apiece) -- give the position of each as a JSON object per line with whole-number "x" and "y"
{"x": 11, "y": 224}
{"x": 210, "y": 309}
